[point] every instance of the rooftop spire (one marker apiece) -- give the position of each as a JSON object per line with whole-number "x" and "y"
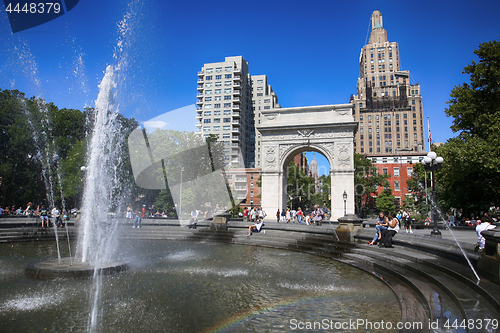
{"x": 378, "y": 34}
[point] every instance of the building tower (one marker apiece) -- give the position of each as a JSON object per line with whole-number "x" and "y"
{"x": 387, "y": 106}
{"x": 224, "y": 108}
{"x": 263, "y": 98}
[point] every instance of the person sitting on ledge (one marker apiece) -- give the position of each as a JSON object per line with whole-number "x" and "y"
{"x": 257, "y": 227}
{"x": 486, "y": 224}
{"x": 382, "y": 224}
{"x": 392, "y": 229}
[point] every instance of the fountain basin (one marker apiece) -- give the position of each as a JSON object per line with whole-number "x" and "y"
{"x": 67, "y": 268}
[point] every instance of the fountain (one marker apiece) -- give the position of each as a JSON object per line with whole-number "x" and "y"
{"x": 174, "y": 285}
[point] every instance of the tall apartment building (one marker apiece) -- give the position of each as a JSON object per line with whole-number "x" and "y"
{"x": 224, "y": 108}
{"x": 229, "y": 105}
{"x": 387, "y": 106}
{"x": 263, "y": 98}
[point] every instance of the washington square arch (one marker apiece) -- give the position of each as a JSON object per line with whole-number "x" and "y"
{"x": 326, "y": 129}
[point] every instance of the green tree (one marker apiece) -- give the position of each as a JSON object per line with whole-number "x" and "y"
{"x": 471, "y": 170}
{"x": 385, "y": 201}
{"x": 366, "y": 181}
{"x": 419, "y": 200}
{"x": 300, "y": 188}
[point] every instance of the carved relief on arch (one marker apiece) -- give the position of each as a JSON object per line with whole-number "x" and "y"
{"x": 344, "y": 154}
{"x": 270, "y": 156}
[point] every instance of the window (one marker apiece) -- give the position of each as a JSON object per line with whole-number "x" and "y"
{"x": 227, "y": 105}
{"x": 216, "y": 113}
{"x": 206, "y": 129}
{"x": 217, "y": 120}
{"x": 409, "y": 171}
{"x": 227, "y": 112}
{"x": 217, "y": 91}
{"x": 227, "y": 120}
{"x": 218, "y": 84}
{"x": 216, "y": 128}
{"x": 227, "y": 91}
{"x": 208, "y": 92}
{"x": 396, "y": 172}
{"x": 217, "y": 98}
{"x": 385, "y": 171}
{"x": 396, "y": 186}
{"x": 208, "y": 99}
{"x": 207, "y": 121}
{"x": 228, "y": 76}
{"x": 218, "y": 69}
{"x": 207, "y": 113}
{"x": 226, "y": 136}
{"x": 217, "y": 106}
{"x": 209, "y": 77}
{"x": 209, "y": 70}
{"x": 226, "y": 128}
{"x": 229, "y": 69}
{"x": 208, "y": 106}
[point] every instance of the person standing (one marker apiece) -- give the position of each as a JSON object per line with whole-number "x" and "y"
{"x": 288, "y": 215}
{"x": 300, "y": 214}
{"x": 44, "y": 215}
{"x": 407, "y": 220}
{"x": 245, "y": 214}
{"x": 138, "y": 217}
{"x": 56, "y": 215}
{"x": 278, "y": 216}
{"x": 128, "y": 214}
{"x": 317, "y": 215}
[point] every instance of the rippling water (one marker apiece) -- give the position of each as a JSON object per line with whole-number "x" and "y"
{"x": 192, "y": 287}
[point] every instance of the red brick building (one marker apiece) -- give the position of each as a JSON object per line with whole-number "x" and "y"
{"x": 400, "y": 169}
{"x": 244, "y": 184}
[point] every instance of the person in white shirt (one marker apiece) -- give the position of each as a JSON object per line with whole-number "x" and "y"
{"x": 257, "y": 227}
{"x": 486, "y": 224}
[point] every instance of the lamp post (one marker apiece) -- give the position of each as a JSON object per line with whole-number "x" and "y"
{"x": 432, "y": 163}
{"x": 345, "y": 201}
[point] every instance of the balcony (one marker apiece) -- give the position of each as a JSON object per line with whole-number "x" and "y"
{"x": 236, "y": 123}
{"x": 200, "y": 81}
{"x": 237, "y": 70}
{"x": 235, "y": 130}
{"x": 240, "y": 179}
{"x": 236, "y": 77}
{"x": 236, "y": 99}
{"x": 199, "y": 95}
{"x": 201, "y": 73}
{"x": 236, "y": 93}
{"x": 200, "y": 88}
{"x": 236, "y": 85}
{"x": 236, "y": 108}
{"x": 236, "y": 114}
{"x": 198, "y": 124}
{"x": 235, "y": 138}
{"x": 199, "y": 109}
{"x": 199, "y": 102}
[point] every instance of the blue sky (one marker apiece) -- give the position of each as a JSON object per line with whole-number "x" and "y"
{"x": 308, "y": 50}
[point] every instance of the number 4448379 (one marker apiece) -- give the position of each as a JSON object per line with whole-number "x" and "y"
{"x": 34, "y": 8}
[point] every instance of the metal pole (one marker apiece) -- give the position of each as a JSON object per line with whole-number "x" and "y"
{"x": 435, "y": 232}
{"x": 180, "y": 195}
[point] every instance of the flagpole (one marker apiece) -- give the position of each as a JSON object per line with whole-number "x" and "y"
{"x": 429, "y": 133}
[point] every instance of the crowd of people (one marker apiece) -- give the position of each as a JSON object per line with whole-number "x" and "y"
{"x": 315, "y": 216}
{"x": 53, "y": 217}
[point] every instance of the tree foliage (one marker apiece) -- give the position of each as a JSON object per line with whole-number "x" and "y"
{"x": 366, "y": 181}
{"x": 471, "y": 169}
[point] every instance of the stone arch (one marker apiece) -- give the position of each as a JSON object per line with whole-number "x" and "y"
{"x": 328, "y": 130}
